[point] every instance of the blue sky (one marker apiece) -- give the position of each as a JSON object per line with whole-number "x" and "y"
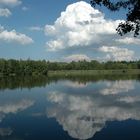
{"x": 39, "y": 30}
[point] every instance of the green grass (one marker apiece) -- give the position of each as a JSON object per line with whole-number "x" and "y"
{"x": 93, "y": 72}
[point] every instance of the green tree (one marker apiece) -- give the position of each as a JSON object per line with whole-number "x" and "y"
{"x": 132, "y": 7}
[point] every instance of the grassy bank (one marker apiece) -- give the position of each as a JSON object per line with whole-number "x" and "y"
{"x": 93, "y": 72}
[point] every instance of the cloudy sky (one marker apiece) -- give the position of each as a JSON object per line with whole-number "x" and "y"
{"x": 64, "y": 31}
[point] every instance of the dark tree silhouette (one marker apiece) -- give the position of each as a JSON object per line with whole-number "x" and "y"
{"x": 132, "y": 22}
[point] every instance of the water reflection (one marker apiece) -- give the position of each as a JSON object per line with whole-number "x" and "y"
{"x": 5, "y": 131}
{"x": 14, "y": 107}
{"x": 81, "y": 105}
{"x": 82, "y": 115}
{"x": 41, "y": 81}
{"x": 75, "y": 84}
{"x": 117, "y": 87}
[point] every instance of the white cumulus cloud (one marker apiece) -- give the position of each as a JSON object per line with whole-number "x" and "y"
{"x": 116, "y": 53}
{"x": 79, "y": 25}
{"x": 10, "y": 2}
{"x": 24, "y": 8}
{"x": 129, "y": 40}
{"x": 77, "y": 57}
{"x": 4, "y": 12}
{"x": 13, "y": 36}
{"x": 35, "y": 28}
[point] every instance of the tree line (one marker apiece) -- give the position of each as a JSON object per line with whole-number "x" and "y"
{"x": 22, "y": 67}
{"x": 41, "y": 67}
{"x": 93, "y": 65}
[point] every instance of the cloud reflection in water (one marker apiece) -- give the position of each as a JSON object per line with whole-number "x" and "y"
{"x": 84, "y": 115}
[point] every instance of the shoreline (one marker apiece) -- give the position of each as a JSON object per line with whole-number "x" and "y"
{"x": 66, "y": 73}
{"x": 93, "y": 72}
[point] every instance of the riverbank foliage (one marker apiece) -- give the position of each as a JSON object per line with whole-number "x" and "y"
{"x": 93, "y": 65}
{"x": 22, "y": 67}
{"x": 41, "y": 67}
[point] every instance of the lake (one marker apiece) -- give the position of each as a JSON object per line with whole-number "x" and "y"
{"x": 67, "y": 108}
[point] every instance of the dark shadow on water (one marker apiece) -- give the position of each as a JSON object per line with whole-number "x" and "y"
{"x": 41, "y": 81}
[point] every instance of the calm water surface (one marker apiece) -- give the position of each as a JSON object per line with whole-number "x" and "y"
{"x": 96, "y": 108}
